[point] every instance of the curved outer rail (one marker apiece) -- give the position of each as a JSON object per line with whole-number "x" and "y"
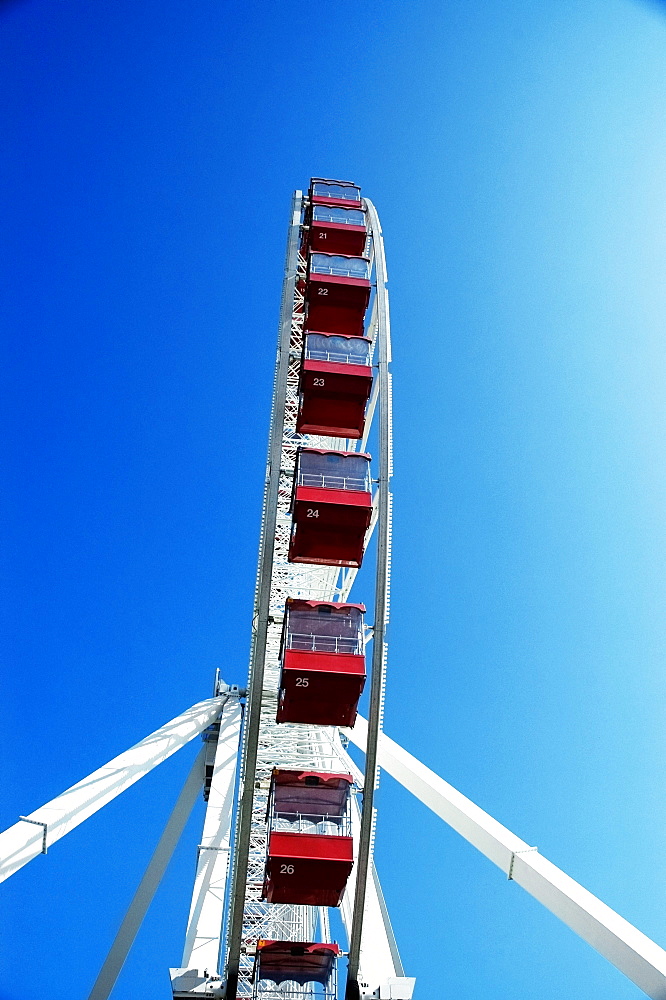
{"x": 382, "y": 583}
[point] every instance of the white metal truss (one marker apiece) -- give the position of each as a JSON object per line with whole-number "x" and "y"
{"x": 629, "y": 950}
{"x": 202, "y": 938}
{"x": 44, "y": 826}
{"x": 148, "y": 885}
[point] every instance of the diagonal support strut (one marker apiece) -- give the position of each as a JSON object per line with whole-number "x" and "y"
{"x": 149, "y": 884}
{"x": 625, "y": 947}
{"x": 22, "y": 842}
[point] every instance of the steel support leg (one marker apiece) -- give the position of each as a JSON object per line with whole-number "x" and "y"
{"x": 143, "y": 896}
{"x": 25, "y": 840}
{"x": 625, "y": 947}
{"x": 204, "y": 927}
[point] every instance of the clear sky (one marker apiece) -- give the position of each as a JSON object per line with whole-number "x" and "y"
{"x": 516, "y": 153}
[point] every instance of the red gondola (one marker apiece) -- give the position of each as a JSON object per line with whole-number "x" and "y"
{"x": 310, "y": 846}
{"x": 323, "y": 663}
{"x": 296, "y": 962}
{"x": 337, "y": 292}
{"x": 335, "y": 224}
{"x": 324, "y": 191}
{"x": 332, "y": 507}
{"x": 336, "y": 379}
{"x": 332, "y": 229}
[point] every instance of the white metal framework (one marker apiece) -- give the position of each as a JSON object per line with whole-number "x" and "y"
{"x": 243, "y": 743}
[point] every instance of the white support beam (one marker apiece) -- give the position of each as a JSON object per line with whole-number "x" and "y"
{"x": 625, "y": 947}
{"x": 204, "y": 926}
{"x": 147, "y": 888}
{"x": 25, "y": 840}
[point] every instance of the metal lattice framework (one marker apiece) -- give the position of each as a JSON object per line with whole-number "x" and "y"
{"x": 243, "y": 743}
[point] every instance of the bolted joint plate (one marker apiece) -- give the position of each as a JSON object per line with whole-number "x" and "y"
{"x": 395, "y": 988}
{"x": 194, "y": 983}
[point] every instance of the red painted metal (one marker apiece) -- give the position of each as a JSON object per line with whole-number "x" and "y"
{"x": 319, "y": 194}
{"x": 295, "y": 961}
{"x": 323, "y": 663}
{"x": 319, "y": 199}
{"x": 331, "y": 507}
{"x": 322, "y": 689}
{"x": 311, "y": 869}
{"x": 336, "y": 303}
{"x": 335, "y": 606}
{"x": 329, "y": 526}
{"x": 334, "y": 451}
{"x": 334, "y": 785}
{"x": 333, "y": 398}
{"x": 308, "y": 867}
{"x": 336, "y": 237}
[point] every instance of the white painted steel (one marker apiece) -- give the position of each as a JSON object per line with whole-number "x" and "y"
{"x": 152, "y": 877}
{"x": 23, "y": 841}
{"x": 204, "y": 926}
{"x": 627, "y": 948}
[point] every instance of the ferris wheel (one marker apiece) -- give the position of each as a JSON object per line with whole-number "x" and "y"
{"x": 287, "y": 901}
{"x": 302, "y": 843}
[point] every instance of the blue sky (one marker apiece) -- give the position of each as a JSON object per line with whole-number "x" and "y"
{"x": 515, "y": 152}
